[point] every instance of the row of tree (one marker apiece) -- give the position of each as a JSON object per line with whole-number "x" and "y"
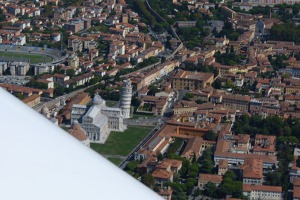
{"x": 140, "y": 7}
{"x": 271, "y": 125}
{"x": 230, "y": 185}
{"x": 285, "y": 32}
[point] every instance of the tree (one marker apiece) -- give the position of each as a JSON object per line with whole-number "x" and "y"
{"x": 47, "y": 11}
{"x": 152, "y": 90}
{"x": 217, "y": 84}
{"x": 70, "y": 72}
{"x": 287, "y": 130}
{"x": 148, "y": 180}
{"x": 210, "y": 190}
{"x": 230, "y": 185}
{"x": 206, "y": 166}
{"x": 206, "y": 155}
{"x": 188, "y": 96}
{"x": 273, "y": 179}
{"x": 211, "y": 136}
{"x": 233, "y": 188}
{"x": 189, "y": 187}
{"x": 143, "y": 11}
{"x": 58, "y": 90}
{"x": 230, "y": 175}
{"x": 159, "y": 156}
{"x": 298, "y": 162}
{"x": 131, "y": 166}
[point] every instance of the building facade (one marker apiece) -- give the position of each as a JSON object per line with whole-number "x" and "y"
{"x": 126, "y": 96}
{"x": 98, "y": 120}
{"x": 263, "y": 192}
{"x": 192, "y": 80}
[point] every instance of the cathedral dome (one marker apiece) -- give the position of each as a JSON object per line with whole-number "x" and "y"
{"x": 97, "y": 100}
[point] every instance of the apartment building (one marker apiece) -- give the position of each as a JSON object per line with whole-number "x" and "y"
{"x": 192, "y": 80}
{"x": 264, "y": 145}
{"x": 263, "y": 192}
{"x": 162, "y": 176}
{"x": 205, "y": 178}
{"x": 184, "y": 107}
{"x": 252, "y": 171}
{"x": 237, "y": 102}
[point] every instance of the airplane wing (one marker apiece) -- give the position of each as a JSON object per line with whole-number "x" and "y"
{"x": 40, "y": 161}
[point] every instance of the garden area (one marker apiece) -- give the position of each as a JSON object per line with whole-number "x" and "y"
{"x": 122, "y": 143}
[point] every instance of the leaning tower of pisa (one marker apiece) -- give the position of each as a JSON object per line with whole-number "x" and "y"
{"x": 125, "y": 101}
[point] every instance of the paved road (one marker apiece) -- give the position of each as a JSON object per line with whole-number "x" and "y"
{"x": 142, "y": 121}
{"x": 113, "y": 156}
{"x": 142, "y": 143}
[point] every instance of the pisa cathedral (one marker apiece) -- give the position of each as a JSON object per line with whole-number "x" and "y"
{"x": 99, "y": 120}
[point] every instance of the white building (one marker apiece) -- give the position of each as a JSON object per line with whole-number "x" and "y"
{"x": 126, "y": 96}
{"x": 56, "y": 37}
{"x": 19, "y": 68}
{"x": 73, "y": 61}
{"x": 3, "y": 67}
{"x": 99, "y": 119}
{"x": 40, "y": 69}
{"x": 77, "y": 112}
{"x": 262, "y": 192}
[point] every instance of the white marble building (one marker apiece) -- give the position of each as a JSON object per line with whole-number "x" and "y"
{"x": 99, "y": 120}
{"x": 126, "y": 96}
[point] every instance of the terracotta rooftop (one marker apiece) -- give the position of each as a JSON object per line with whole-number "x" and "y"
{"x": 252, "y": 168}
{"x": 77, "y": 132}
{"x": 250, "y": 188}
{"x": 31, "y": 98}
{"x": 296, "y": 181}
{"x": 210, "y": 178}
{"x": 237, "y": 97}
{"x": 194, "y": 75}
{"x": 242, "y": 138}
{"x": 223, "y": 164}
{"x": 163, "y": 165}
{"x": 162, "y": 174}
{"x": 296, "y": 192}
{"x": 174, "y": 163}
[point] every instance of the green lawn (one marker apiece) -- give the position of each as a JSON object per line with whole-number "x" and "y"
{"x": 34, "y": 58}
{"x": 122, "y": 143}
{"x": 137, "y": 116}
{"x": 111, "y": 103}
{"x": 116, "y": 161}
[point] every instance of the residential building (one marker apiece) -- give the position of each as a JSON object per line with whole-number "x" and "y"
{"x": 237, "y": 102}
{"x": 264, "y": 144}
{"x": 162, "y": 176}
{"x": 60, "y": 79}
{"x": 252, "y": 171}
{"x": 73, "y": 61}
{"x": 263, "y": 192}
{"x": 19, "y": 68}
{"x": 206, "y": 178}
{"x": 3, "y": 67}
{"x": 191, "y": 80}
{"x": 32, "y": 100}
{"x": 40, "y": 69}
{"x": 222, "y": 167}
{"x": 184, "y": 107}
